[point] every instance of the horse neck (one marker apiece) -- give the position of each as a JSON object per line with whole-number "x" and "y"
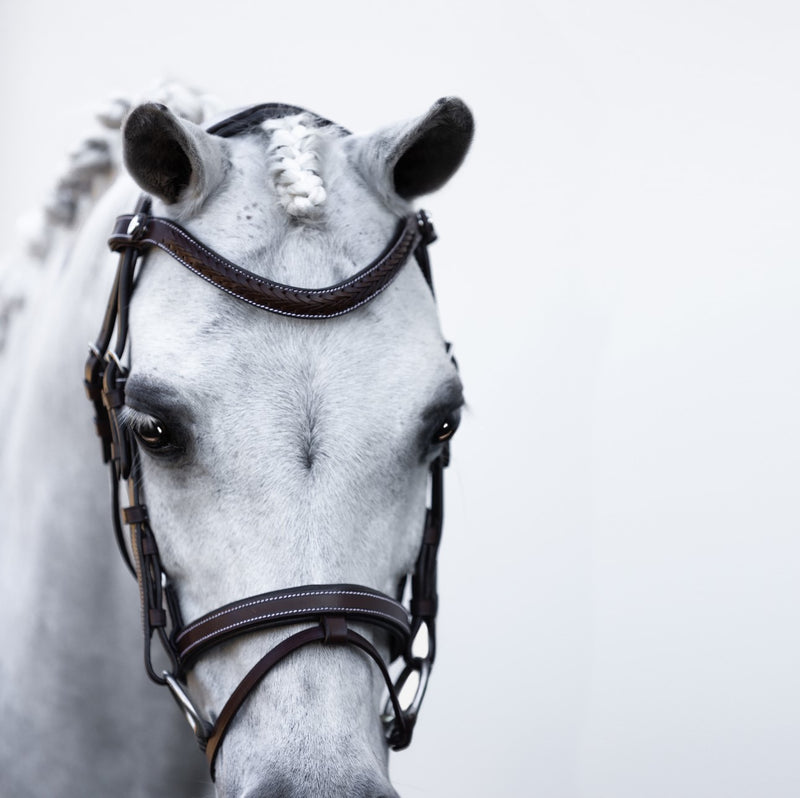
{"x": 53, "y": 485}
{"x": 63, "y": 590}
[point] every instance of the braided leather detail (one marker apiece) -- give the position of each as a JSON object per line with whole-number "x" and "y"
{"x": 286, "y": 300}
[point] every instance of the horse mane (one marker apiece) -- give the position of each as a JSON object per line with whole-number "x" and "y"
{"x": 94, "y": 163}
{"x": 96, "y": 160}
{"x": 88, "y": 171}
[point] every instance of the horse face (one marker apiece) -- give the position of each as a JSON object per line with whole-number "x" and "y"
{"x": 278, "y": 451}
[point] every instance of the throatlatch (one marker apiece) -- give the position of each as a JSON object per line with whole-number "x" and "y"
{"x": 329, "y": 608}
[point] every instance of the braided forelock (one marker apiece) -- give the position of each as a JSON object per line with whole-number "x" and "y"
{"x": 295, "y": 165}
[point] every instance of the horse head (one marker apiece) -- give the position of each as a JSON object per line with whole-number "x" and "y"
{"x": 285, "y": 448}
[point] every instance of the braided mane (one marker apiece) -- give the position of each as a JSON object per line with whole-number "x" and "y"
{"x": 89, "y": 170}
{"x": 95, "y": 162}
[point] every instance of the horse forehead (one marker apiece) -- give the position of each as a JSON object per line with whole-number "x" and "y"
{"x": 246, "y": 222}
{"x": 210, "y": 338}
{"x": 201, "y": 342}
{"x": 255, "y": 170}
{"x": 185, "y": 327}
{"x": 174, "y": 308}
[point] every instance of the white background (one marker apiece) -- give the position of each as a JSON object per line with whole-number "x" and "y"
{"x": 618, "y": 266}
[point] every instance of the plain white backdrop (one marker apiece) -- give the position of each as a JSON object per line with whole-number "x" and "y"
{"x": 619, "y": 267}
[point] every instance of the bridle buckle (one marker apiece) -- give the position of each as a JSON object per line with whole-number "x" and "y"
{"x": 398, "y": 730}
{"x": 200, "y": 727}
{"x": 136, "y": 227}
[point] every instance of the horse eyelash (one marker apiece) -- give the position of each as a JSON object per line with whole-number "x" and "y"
{"x": 133, "y": 420}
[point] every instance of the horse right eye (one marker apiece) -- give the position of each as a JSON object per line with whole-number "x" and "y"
{"x": 153, "y": 435}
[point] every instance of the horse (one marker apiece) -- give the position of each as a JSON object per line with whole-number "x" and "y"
{"x": 275, "y": 448}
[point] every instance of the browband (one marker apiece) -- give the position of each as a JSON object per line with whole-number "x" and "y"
{"x": 248, "y": 118}
{"x": 141, "y": 232}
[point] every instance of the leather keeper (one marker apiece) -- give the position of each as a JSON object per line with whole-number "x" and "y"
{"x": 157, "y": 617}
{"x": 433, "y": 533}
{"x": 425, "y": 608}
{"x": 122, "y": 239}
{"x": 137, "y": 514}
{"x": 114, "y": 398}
{"x": 335, "y": 628}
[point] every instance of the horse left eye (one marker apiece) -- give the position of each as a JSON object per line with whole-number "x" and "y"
{"x": 447, "y": 429}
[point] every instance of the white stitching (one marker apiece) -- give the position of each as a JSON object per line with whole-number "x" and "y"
{"x": 267, "y": 599}
{"x": 311, "y": 610}
{"x": 264, "y": 281}
{"x": 270, "y": 308}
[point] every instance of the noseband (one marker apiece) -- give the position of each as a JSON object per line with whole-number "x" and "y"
{"x": 330, "y": 609}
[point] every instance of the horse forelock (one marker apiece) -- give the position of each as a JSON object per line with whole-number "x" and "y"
{"x": 295, "y": 164}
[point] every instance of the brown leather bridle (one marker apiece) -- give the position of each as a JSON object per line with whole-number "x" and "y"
{"x": 331, "y": 608}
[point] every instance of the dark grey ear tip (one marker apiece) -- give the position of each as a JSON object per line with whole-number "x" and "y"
{"x": 455, "y": 112}
{"x": 145, "y": 117}
{"x": 433, "y": 150}
{"x": 157, "y": 151}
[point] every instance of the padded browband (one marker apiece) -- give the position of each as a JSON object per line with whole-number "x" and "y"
{"x": 248, "y": 118}
{"x": 141, "y": 232}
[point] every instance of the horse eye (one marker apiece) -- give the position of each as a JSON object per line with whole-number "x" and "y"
{"x": 447, "y": 429}
{"x": 153, "y": 435}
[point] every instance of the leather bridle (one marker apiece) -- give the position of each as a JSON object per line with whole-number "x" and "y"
{"x": 329, "y": 608}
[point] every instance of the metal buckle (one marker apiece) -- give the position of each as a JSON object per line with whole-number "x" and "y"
{"x": 421, "y": 667}
{"x": 112, "y": 355}
{"x": 136, "y": 227}
{"x": 426, "y": 227}
{"x": 200, "y": 727}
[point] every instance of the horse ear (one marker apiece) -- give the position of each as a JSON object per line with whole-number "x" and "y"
{"x": 420, "y": 156}
{"x": 170, "y": 158}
